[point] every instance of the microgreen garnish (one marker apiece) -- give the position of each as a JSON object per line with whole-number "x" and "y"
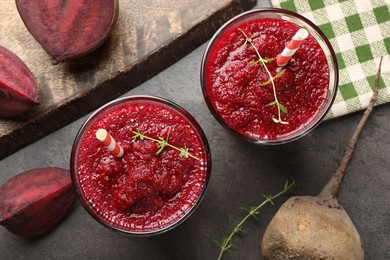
{"x": 162, "y": 143}
{"x": 227, "y": 243}
{"x": 262, "y": 62}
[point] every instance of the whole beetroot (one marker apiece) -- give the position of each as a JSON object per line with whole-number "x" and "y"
{"x": 69, "y": 29}
{"x": 18, "y": 92}
{"x": 308, "y": 227}
{"x": 32, "y": 202}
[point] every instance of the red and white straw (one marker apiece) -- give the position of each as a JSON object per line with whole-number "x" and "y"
{"x": 103, "y": 136}
{"x": 292, "y": 47}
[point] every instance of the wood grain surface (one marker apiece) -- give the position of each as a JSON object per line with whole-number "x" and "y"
{"x": 150, "y": 35}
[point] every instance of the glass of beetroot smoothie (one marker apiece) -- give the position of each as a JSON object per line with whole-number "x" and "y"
{"x": 254, "y": 97}
{"x": 159, "y": 177}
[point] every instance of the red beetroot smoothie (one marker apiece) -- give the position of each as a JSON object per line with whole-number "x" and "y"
{"x": 233, "y": 82}
{"x": 142, "y": 192}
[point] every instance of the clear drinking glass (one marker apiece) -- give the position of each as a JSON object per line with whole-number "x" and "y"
{"x": 298, "y": 20}
{"x": 189, "y": 195}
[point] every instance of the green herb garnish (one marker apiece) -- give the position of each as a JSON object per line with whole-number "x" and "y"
{"x": 259, "y": 61}
{"x": 227, "y": 244}
{"x": 162, "y": 143}
{"x": 280, "y": 73}
{"x": 262, "y": 63}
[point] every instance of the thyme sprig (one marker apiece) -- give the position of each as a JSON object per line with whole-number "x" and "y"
{"x": 263, "y": 62}
{"x": 280, "y": 73}
{"x": 259, "y": 61}
{"x": 162, "y": 143}
{"x": 253, "y": 212}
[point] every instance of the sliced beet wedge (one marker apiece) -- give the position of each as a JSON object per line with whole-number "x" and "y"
{"x": 69, "y": 29}
{"x": 32, "y": 202}
{"x": 18, "y": 92}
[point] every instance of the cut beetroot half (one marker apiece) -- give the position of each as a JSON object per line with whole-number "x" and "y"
{"x": 18, "y": 92}
{"x": 69, "y": 29}
{"x": 32, "y": 202}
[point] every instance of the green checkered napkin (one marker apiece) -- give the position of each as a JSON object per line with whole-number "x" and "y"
{"x": 359, "y": 31}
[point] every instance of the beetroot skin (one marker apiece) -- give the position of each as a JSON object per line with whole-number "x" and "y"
{"x": 32, "y": 202}
{"x": 69, "y": 29}
{"x": 18, "y": 91}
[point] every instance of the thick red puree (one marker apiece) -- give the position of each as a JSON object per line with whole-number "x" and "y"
{"x": 142, "y": 191}
{"x": 233, "y": 81}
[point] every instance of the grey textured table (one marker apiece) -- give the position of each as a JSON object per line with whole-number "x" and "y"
{"x": 241, "y": 173}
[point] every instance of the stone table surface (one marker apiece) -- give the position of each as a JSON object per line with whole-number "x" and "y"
{"x": 241, "y": 172}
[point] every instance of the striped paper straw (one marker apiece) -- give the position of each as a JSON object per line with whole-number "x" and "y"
{"x": 103, "y": 136}
{"x": 292, "y": 47}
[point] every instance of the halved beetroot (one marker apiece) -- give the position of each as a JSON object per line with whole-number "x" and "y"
{"x": 32, "y": 202}
{"x": 18, "y": 91}
{"x": 69, "y": 29}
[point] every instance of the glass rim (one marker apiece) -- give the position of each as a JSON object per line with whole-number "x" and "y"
{"x": 89, "y": 122}
{"x": 331, "y": 59}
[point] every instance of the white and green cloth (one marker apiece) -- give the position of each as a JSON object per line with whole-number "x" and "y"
{"x": 359, "y": 31}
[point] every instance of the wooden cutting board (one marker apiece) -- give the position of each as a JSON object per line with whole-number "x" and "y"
{"x": 150, "y": 35}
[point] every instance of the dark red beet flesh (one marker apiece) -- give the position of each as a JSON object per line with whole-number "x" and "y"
{"x": 17, "y": 85}
{"x": 68, "y": 29}
{"x": 32, "y": 202}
